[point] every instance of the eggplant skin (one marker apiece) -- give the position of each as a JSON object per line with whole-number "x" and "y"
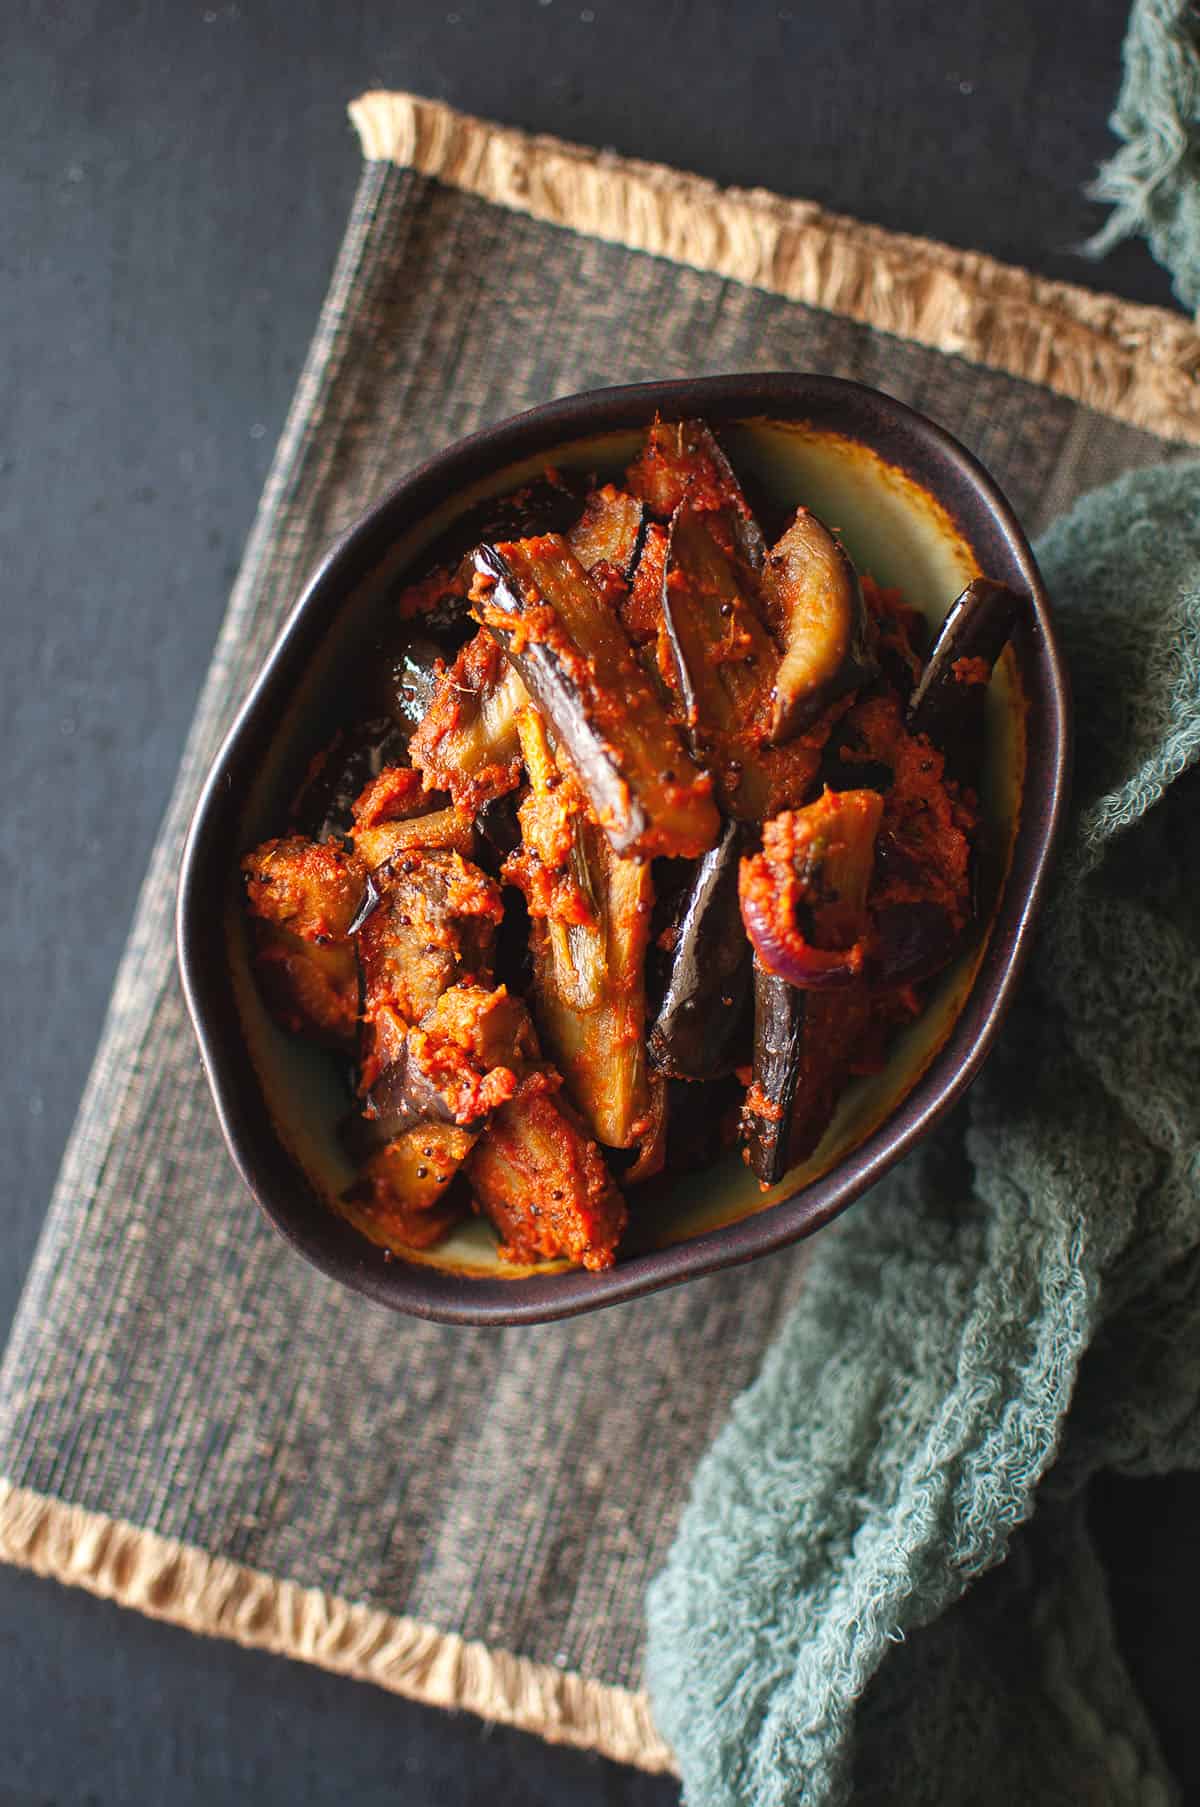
{"x": 780, "y": 1016}
{"x": 814, "y": 602}
{"x": 947, "y": 703}
{"x": 324, "y": 808}
{"x": 610, "y": 533}
{"x": 467, "y": 742}
{"x": 701, "y": 1019}
{"x": 702, "y": 1122}
{"x": 551, "y": 503}
{"x": 458, "y": 1066}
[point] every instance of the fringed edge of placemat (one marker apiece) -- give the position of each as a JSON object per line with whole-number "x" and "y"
{"x": 165, "y": 1579}
{"x": 1138, "y": 364}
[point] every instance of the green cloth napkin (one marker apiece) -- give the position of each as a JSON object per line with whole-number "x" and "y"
{"x": 1152, "y": 180}
{"x": 883, "y": 1587}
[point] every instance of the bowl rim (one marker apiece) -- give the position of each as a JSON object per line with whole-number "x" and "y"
{"x": 420, "y": 1289}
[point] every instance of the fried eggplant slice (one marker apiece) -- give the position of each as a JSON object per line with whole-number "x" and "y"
{"x": 641, "y": 611}
{"x": 682, "y": 461}
{"x": 543, "y": 1182}
{"x": 304, "y": 898}
{"x": 552, "y": 503}
{"x": 579, "y": 667}
{"x": 590, "y": 916}
{"x": 422, "y": 1060}
{"x": 433, "y": 928}
{"x": 444, "y": 830}
{"x": 948, "y": 702}
{"x": 394, "y": 815}
{"x": 607, "y": 538}
{"x": 921, "y": 898}
{"x": 723, "y": 664}
{"x": 652, "y": 1140}
{"x": 403, "y": 1186}
{"x": 323, "y": 808}
{"x": 428, "y": 1107}
{"x": 817, "y": 864}
{"x": 458, "y": 1065}
{"x": 814, "y": 603}
{"x": 395, "y": 794}
{"x": 780, "y": 1016}
{"x": 805, "y": 1043}
{"x": 699, "y": 1023}
{"x": 408, "y": 1173}
{"x": 467, "y": 741}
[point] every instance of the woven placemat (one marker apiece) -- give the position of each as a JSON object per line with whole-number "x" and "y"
{"x": 191, "y": 1420}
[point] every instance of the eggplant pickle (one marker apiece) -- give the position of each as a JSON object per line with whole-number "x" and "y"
{"x": 650, "y": 838}
{"x": 814, "y": 601}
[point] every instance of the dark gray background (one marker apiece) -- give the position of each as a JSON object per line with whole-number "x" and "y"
{"x": 173, "y": 186}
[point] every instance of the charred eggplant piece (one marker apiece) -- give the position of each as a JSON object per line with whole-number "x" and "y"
{"x": 814, "y": 602}
{"x": 780, "y": 1015}
{"x": 433, "y": 928}
{"x": 809, "y": 1042}
{"x": 304, "y": 898}
{"x": 589, "y": 927}
{"x": 467, "y": 742}
{"x": 641, "y": 611}
{"x": 324, "y": 808}
{"x": 722, "y": 664}
{"x": 607, "y": 539}
{"x": 440, "y": 830}
{"x": 589, "y": 995}
{"x": 407, "y": 1187}
{"x": 552, "y": 503}
{"x": 948, "y": 702}
{"x": 396, "y": 814}
{"x": 651, "y": 1144}
{"x": 425, "y": 1055}
{"x": 817, "y": 861}
{"x": 722, "y": 652}
{"x": 460, "y": 1063}
{"x": 699, "y": 1022}
{"x": 577, "y": 664}
{"x": 921, "y": 899}
{"x": 543, "y": 1182}
{"x": 682, "y": 461}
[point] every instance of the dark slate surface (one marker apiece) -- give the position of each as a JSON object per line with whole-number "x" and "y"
{"x": 173, "y": 185}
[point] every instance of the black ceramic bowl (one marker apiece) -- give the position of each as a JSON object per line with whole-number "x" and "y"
{"x": 915, "y": 510}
